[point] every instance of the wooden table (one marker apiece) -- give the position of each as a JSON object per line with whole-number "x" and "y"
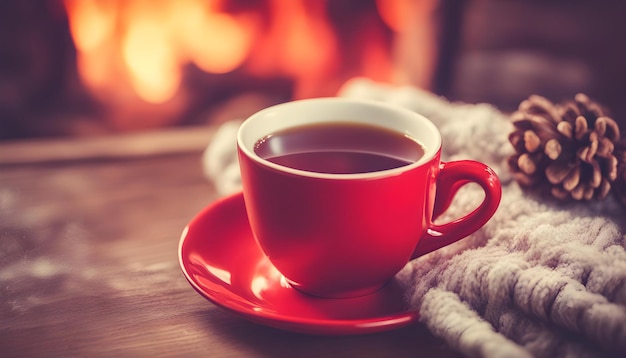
{"x": 89, "y": 231}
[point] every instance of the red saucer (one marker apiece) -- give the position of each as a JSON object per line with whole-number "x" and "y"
{"x": 222, "y": 261}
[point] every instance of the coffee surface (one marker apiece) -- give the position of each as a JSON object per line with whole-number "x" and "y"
{"x": 339, "y": 148}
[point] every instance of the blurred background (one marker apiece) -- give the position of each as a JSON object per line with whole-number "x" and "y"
{"x": 79, "y": 68}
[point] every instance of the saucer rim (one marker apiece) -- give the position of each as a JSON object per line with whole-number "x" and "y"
{"x": 287, "y": 322}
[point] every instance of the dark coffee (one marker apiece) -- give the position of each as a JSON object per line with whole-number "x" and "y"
{"x": 339, "y": 148}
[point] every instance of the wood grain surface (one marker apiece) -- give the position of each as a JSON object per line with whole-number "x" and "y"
{"x": 88, "y": 267}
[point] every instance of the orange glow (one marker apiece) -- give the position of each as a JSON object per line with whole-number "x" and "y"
{"x": 416, "y": 25}
{"x": 91, "y": 24}
{"x": 299, "y": 43}
{"x": 152, "y": 63}
{"x": 216, "y": 42}
{"x": 396, "y": 13}
{"x": 133, "y": 54}
{"x": 148, "y": 43}
{"x": 377, "y": 64}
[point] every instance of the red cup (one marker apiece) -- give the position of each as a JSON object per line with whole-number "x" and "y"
{"x": 346, "y": 235}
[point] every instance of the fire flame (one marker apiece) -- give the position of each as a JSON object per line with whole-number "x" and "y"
{"x": 299, "y": 44}
{"x": 149, "y": 42}
{"x": 139, "y": 49}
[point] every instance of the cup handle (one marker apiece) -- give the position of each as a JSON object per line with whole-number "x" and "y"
{"x": 452, "y": 176}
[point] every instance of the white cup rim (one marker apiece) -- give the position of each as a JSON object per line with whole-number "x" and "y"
{"x": 273, "y": 116}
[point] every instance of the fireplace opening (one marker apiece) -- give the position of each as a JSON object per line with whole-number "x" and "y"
{"x": 91, "y": 67}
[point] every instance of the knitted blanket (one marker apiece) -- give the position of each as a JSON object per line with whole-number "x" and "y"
{"x": 541, "y": 278}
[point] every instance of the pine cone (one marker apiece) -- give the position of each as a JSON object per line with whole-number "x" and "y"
{"x": 567, "y": 148}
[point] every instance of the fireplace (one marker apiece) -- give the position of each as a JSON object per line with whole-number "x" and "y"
{"x": 93, "y": 67}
